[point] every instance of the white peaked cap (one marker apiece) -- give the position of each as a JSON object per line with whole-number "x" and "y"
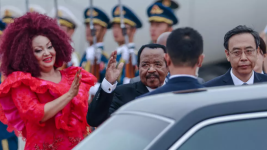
{"x": 8, "y": 13}
{"x": 65, "y": 14}
{"x": 36, "y": 8}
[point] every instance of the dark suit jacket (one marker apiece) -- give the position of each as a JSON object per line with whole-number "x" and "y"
{"x": 226, "y": 79}
{"x": 104, "y": 104}
{"x": 177, "y": 84}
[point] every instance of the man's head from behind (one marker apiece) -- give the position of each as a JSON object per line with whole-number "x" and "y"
{"x": 162, "y": 39}
{"x": 241, "y": 45}
{"x": 152, "y": 66}
{"x": 184, "y": 49}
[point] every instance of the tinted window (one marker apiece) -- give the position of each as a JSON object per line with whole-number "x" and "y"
{"x": 125, "y": 132}
{"x": 238, "y": 135}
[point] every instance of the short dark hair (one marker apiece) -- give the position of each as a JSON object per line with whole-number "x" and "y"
{"x": 184, "y": 46}
{"x": 238, "y": 30}
{"x": 262, "y": 46}
{"x": 152, "y": 46}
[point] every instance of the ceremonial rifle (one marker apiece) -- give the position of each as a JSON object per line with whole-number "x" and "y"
{"x": 56, "y": 9}
{"x": 95, "y": 65}
{"x": 129, "y": 68}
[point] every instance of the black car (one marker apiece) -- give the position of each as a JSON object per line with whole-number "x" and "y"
{"x": 228, "y": 118}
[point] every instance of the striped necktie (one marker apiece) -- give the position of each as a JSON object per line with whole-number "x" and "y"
{"x": 245, "y": 83}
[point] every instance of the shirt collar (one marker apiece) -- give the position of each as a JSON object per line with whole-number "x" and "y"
{"x": 239, "y": 82}
{"x": 150, "y": 90}
{"x": 182, "y": 75}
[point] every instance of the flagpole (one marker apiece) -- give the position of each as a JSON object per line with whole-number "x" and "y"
{"x": 56, "y": 9}
{"x": 27, "y": 5}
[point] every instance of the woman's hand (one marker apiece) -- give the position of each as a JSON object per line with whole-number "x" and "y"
{"x": 74, "y": 89}
{"x": 53, "y": 107}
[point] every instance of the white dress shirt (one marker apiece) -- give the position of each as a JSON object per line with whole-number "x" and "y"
{"x": 239, "y": 82}
{"x": 108, "y": 87}
{"x": 150, "y": 90}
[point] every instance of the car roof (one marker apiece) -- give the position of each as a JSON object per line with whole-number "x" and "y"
{"x": 189, "y": 109}
{"x": 210, "y": 101}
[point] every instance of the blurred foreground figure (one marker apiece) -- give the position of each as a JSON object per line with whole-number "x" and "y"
{"x": 259, "y": 67}
{"x": 263, "y": 35}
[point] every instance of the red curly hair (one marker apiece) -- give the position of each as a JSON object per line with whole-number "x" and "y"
{"x": 16, "y": 47}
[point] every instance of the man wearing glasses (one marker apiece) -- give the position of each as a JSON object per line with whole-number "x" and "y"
{"x": 241, "y": 44}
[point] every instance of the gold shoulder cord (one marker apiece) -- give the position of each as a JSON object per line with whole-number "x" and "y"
{"x": 5, "y": 144}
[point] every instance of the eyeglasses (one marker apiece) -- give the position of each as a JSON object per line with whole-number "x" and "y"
{"x": 238, "y": 53}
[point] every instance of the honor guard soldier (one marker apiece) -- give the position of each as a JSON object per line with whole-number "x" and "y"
{"x": 161, "y": 20}
{"x": 126, "y": 53}
{"x": 9, "y": 13}
{"x": 2, "y": 28}
{"x": 94, "y": 59}
{"x": 169, "y": 3}
{"x": 68, "y": 23}
{"x": 8, "y": 141}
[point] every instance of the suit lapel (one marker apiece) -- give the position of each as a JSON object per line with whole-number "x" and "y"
{"x": 141, "y": 88}
{"x": 227, "y": 79}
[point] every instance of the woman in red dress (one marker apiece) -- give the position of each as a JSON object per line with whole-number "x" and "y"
{"x": 46, "y": 106}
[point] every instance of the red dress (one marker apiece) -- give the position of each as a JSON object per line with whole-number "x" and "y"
{"x": 22, "y": 100}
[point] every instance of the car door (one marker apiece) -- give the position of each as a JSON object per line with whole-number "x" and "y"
{"x": 235, "y": 132}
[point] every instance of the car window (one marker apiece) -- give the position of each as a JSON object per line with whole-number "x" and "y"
{"x": 126, "y": 132}
{"x": 236, "y": 135}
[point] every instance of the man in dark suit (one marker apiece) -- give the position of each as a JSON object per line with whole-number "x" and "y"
{"x": 152, "y": 71}
{"x": 184, "y": 56}
{"x": 162, "y": 40}
{"x": 241, "y": 44}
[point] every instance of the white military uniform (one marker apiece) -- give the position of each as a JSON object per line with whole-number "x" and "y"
{"x": 126, "y": 53}
{"x": 67, "y": 18}
{"x": 36, "y": 8}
